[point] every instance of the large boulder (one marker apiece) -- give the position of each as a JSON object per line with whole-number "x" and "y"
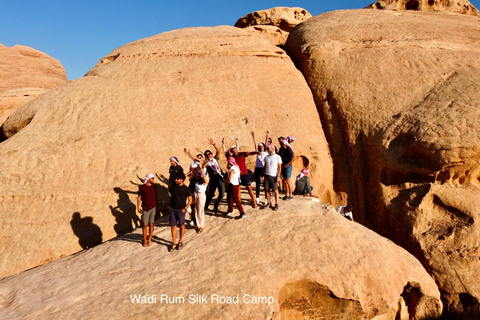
{"x": 398, "y": 94}
{"x": 304, "y": 261}
{"x": 457, "y": 6}
{"x": 282, "y": 17}
{"x": 69, "y": 178}
{"x": 25, "y": 73}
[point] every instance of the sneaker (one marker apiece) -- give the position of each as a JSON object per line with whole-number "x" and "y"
{"x": 266, "y": 202}
{"x": 275, "y": 208}
{"x": 289, "y": 198}
{"x": 241, "y": 216}
{"x": 192, "y": 223}
{"x": 227, "y": 213}
{"x": 258, "y": 200}
{"x": 285, "y": 198}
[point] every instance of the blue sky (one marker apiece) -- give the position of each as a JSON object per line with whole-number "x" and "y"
{"x": 80, "y": 32}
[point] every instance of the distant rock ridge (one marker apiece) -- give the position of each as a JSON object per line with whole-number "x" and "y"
{"x": 457, "y": 6}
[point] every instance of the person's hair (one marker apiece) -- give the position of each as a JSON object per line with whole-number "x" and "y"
{"x": 180, "y": 175}
{"x": 201, "y": 180}
{"x": 200, "y": 155}
{"x": 207, "y": 151}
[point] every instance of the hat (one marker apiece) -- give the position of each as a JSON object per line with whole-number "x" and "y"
{"x": 148, "y": 177}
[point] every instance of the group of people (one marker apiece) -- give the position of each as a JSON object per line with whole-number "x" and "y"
{"x": 273, "y": 170}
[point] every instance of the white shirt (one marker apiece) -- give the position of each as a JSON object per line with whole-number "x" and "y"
{"x": 260, "y": 157}
{"x": 201, "y": 188}
{"x": 271, "y": 164}
{"x": 236, "y": 175}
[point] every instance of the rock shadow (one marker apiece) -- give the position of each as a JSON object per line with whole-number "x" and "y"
{"x": 89, "y": 234}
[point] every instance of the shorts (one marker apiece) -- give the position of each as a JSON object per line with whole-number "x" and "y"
{"x": 245, "y": 180}
{"x": 271, "y": 183}
{"x": 287, "y": 172}
{"x": 148, "y": 216}
{"x": 177, "y": 215}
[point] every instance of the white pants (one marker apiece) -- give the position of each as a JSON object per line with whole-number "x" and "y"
{"x": 200, "y": 199}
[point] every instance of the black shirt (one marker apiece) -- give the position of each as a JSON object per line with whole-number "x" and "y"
{"x": 179, "y": 195}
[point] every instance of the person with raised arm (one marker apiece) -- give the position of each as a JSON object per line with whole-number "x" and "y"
{"x": 240, "y": 160}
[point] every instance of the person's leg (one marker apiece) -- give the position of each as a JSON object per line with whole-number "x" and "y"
{"x": 182, "y": 233}
{"x": 230, "y": 198}
{"x": 238, "y": 200}
{"x": 150, "y": 234}
{"x": 258, "y": 178}
{"x": 144, "y": 230}
{"x": 252, "y": 195}
{"x": 268, "y": 197}
{"x": 174, "y": 235}
{"x": 173, "y": 225}
{"x": 201, "y": 213}
{"x": 181, "y": 220}
{"x": 212, "y": 186}
{"x": 221, "y": 193}
{"x": 277, "y": 196}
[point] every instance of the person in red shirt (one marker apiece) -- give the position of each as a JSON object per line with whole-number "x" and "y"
{"x": 147, "y": 205}
{"x": 240, "y": 160}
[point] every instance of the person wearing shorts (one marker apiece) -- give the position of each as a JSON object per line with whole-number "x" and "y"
{"x": 271, "y": 170}
{"x": 240, "y": 160}
{"x": 288, "y": 156}
{"x": 180, "y": 200}
{"x": 146, "y": 205}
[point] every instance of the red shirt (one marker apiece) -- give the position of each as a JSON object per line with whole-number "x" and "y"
{"x": 148, "y": 194}
{"x": 240, "y": 159}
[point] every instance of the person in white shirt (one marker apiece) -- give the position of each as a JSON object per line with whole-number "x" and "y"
{"x": 271, "y": 170}
{"x": 200, "y": 197}
{"x": 233, "y": 191}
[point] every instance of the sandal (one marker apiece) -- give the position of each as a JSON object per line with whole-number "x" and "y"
{"x": 180, "y": 246}
{"x": 171, "y": 248}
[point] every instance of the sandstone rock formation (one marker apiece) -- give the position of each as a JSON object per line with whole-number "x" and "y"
{"x": 272, "y": 34}
{"x": 308, "y": 260}
{"x": 74, "y": 167}
{"x": 398, "y": 95}
{"x": 24, "y": 74}
{"x": 284, "y": 18}
{"x": 457, "y": 6}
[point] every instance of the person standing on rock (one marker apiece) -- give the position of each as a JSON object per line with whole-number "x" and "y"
{"x": 233, "y": 190}
{"x": 180, "y": 200}
{"x": 258, "y": 173}
{"x": 240, "y": 160}
{"x": 271, "y": 171}
{"x": 200, "y": 197}
{"x": 215, "y": 175}
{"x": 174, "y": 170}
{"x": 288, "y": 156}
{"x": 146, "y": 205}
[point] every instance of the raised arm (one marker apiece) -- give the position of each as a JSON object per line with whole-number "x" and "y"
{"x": 187, "y": 152}
{"x": 254, "y": 141}
{"x": 217, "y": 149}
{"x": 267, "y": 134}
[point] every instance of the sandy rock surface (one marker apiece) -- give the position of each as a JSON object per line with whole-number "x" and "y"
{"x": 24, "y": 74}
{"x": 282, "y": 17}
{"x": 456, "y": 6}
{"x": 304, "y": 260}
{"x": 86, "y": 146}
{"x": 398, "y": 94}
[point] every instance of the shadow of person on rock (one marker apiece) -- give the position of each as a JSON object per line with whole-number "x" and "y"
{"x": 125, "y": 215}
{"x": 89, "y": 234}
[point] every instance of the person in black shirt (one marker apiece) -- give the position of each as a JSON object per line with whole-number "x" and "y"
{"x": 179, "y": 194}
{"x": 175, "y": 169}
